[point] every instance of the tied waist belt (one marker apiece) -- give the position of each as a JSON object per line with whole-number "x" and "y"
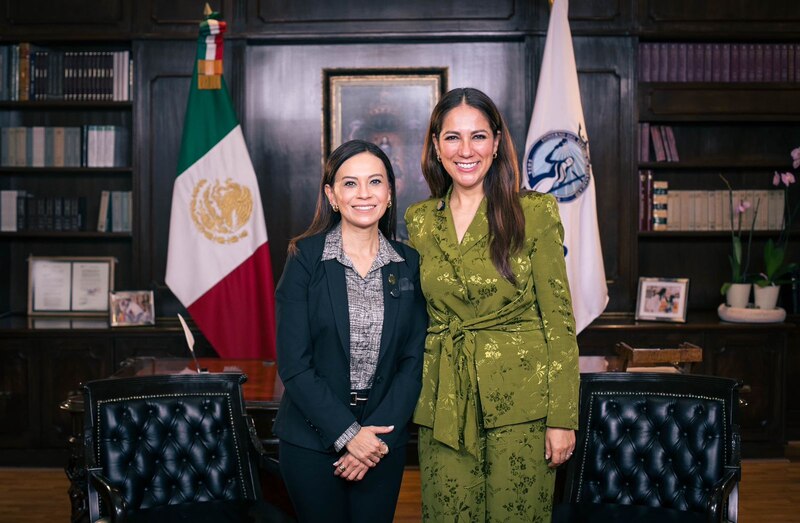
{"x": 456, "y": 411}
{"x": 358, "y": 397}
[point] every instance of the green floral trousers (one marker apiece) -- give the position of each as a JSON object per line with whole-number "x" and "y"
{"x": 513, "y": 484}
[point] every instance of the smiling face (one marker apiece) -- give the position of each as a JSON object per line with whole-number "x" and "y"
{"x": 360, "y": 190}
{"x": 466, "y": 145}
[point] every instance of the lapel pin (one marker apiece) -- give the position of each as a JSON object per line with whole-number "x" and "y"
{"x": 392, "y": 279}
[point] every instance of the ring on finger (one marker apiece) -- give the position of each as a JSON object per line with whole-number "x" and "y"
{"x": 342, "y": 468}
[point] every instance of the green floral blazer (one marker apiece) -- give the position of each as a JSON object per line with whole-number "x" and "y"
{"x": 496, "y": 354}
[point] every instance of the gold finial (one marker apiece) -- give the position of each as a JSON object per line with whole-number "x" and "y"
{"x": 207, "y": 10}
{"x": 548, "y": 1}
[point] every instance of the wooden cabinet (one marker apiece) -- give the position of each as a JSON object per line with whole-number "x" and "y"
{"x": 40, "y": 367}
{"x": 751, "y": 353}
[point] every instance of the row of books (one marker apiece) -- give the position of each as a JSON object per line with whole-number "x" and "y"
{"x": 86, "y": 146}
{"x": 662, "y": 209}
{"x": 22, "y": 211}
{"x": 115, "y": 211}
{"x": 30, "y": 72}
{"x": 660, "y": 139}
{"x": 719, "y": 62}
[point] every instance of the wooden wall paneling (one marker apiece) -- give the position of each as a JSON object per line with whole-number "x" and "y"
{"x": 719, "y": 18}
{"x": 19, "y": 394}
{"x": 46, "y": 19}
{"x": 284, "y": 111}
{"x": 180, "y": 18}
{"x": 592, "y": 16}
{"x": 605, "y": 74}
{"x": 67, "y": 362}
{"x": 350, "y": 17}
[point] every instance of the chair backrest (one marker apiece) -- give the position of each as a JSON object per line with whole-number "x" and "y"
{"x": 653, "y": 439}
{"x": 165, "y": 440}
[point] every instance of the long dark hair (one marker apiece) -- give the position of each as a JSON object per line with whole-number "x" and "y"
{"x": 324, "y": 217}
{"x": 501, "y": 185}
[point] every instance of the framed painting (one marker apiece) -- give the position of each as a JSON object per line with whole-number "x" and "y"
{"x": 390, "y": 108}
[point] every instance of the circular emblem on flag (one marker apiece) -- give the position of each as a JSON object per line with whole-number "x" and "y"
{"x": 221, "y": 210}
{"x": 559, "y": 164}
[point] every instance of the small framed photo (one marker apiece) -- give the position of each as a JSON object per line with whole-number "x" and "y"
{"x": 130, "y": 308}
{"x": 69, "y": 285}
{"x": 662, "y": 299}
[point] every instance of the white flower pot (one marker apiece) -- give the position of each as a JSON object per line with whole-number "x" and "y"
{"x": 766, "y": 297}
{"x": 738, "y": 295}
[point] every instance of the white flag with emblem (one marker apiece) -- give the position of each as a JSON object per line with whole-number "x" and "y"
{"x": 557, "y": 162}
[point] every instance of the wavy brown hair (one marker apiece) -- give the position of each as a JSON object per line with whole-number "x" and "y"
{"x": 501, "y": 184}
{"x": 324, "y": 217}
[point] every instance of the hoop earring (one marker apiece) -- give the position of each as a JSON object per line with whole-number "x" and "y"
{"x": 335, "y": 207}
{"x": 438, "y": 158}
{"x": 494, "y": 156}
{"x": 389, "y": 205}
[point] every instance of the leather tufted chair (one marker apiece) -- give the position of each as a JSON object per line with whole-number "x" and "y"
{"x": 173, "y": 448}
{"x": 653, "y": 448}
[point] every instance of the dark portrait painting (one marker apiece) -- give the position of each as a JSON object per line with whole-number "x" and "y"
{"x": 390, "y": 108}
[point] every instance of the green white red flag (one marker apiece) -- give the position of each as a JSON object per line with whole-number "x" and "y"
{"x": 218, "y": 262}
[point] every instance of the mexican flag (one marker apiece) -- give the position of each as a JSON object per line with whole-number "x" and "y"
{"x": 218, "y": 262}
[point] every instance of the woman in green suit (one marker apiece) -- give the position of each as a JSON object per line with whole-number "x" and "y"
{"x": 499, "y": 399}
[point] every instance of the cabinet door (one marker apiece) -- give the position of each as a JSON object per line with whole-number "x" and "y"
{"x": 18, "y": 395}
{"x": 44, "y": 18}
{"x": 756, "y": 359}
{"x": 67, "y": 363}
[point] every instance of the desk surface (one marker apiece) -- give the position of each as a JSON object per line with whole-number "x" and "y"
{"x": 263, "y": 388}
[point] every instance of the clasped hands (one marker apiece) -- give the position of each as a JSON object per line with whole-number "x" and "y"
{"x": 364, "y": 451}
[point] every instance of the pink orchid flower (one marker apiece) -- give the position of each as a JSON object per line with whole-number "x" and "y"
{"x": 796, "y": 157}
{"x": 743, "y": 206}
{"x": 786, "y": 178}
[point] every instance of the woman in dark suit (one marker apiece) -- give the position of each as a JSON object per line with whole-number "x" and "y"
{"x": 351, "y": 329}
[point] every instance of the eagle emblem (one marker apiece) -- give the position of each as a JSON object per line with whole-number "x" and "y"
{"x": 221, "y": 210}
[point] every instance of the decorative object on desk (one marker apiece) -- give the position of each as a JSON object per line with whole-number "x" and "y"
{"x": 742, "y": 315}
{"x": 130, "y": 308}
{"x": 190, "y": 342}
{"x": 738, "y": 295}
{"x": 777, "y": 270}
{"x": 662, "y": 299}
{"x": 69, "y": 286}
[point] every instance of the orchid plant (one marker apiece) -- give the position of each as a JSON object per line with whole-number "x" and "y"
{"x": 739, "y": 259}
{"x": 775, "y": 267}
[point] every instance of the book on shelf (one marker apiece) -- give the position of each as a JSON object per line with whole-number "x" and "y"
{"x": 660, "y": 202}
{"x": 32, "y": 72}
{"x": 658, "y": 143}
{"x": 114, "y": 211}
{"x": 709, "y": 210}
{"x": 87, "y": 146}
{"x": 718, "y": 62}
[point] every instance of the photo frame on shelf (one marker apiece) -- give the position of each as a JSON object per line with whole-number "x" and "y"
{"x": 662, "y": 299}
{"x": 390, "y": 108}
{"x": 131, "y": 308}
{"x": 69, "y": 286}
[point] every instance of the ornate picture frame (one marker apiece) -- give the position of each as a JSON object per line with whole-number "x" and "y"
{"x": 389, "y": 107}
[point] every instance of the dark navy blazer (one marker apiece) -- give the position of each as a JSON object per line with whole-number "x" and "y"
{"x": 314, "y": 349}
